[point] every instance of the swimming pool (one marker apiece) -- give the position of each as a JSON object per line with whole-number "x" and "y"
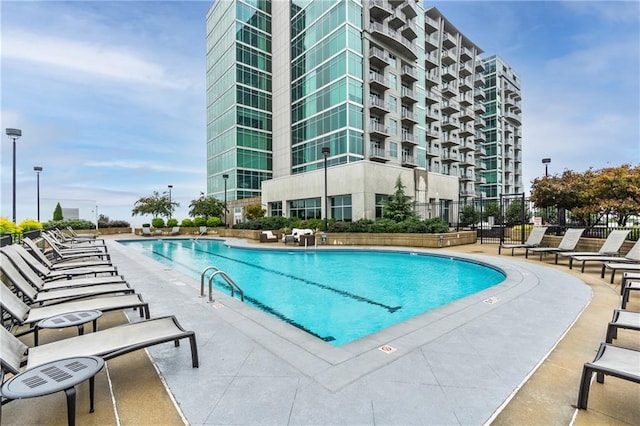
{"x": 336, "y": 295}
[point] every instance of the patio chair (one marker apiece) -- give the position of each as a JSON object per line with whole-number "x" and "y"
{"x": 626, "y": 288}
{"x": 60, "y": 264}
{"x": 627, "y": 320}
{"x": 23, "y": 314}
{"x": 76, "y": 254}
{"x": 66, "y": 245}
{"x": 610, "y": 247}
{"x": 81, "y": 237}
{"x": 175, "y": 230}
{"x": 146, "y": 232}
{"x": 568, "y": 243}
{"x": 35, "y": 292}
{"x": 633, "y": 256}
{"x": 610, "y": 360}
{"x": 15, "y": 252}
{"x": 534, "y": 240}
{"x": 619, "y": 266}
{"x": 268, "y": 237}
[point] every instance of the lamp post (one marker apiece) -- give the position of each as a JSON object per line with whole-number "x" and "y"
{"x": 546, "y": 162}
{"x": 325, "y": 152}
{"x": 170, "y": 206}
{"x": 225, "y": 177}
{"x": 38, "y": 169}
{"x": 15, "y": 135}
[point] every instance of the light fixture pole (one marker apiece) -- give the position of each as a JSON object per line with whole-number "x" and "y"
{"x": 325, "y": 153}
{"x": 225, "y": 177}
{"x": 546, "y": 162}
{"x": 170, "y": 206}
{"x": 38, "y": 169}
{"x": 15, "y": 135}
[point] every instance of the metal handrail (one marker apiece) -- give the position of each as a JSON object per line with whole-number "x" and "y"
{"x": 232, "y": 285}
{"x": 208, "y": 268}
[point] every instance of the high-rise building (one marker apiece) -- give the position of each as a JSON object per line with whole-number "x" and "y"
{"x": 503, "y": 130}
{"x": 383, "y": 88}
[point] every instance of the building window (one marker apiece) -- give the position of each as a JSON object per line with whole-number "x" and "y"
{"x": 275, "y": 208}
{"x": 381, "y": 199}
{"x": 393, "y": 103}
{"x": 310, "y": 208}
{"x": 393, "y": 81}
{"x": 393, "y": 149}
{"x": 393, "y": 127}
{"x": 341, "y": 208}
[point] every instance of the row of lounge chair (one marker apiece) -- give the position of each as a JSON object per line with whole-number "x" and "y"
{"x": 76, "y": 276}
{"x": 607, "y": 254}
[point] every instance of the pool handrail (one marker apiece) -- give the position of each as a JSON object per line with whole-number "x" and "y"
{"x": 232, "y": 285}
{"x": 208, "y": 268}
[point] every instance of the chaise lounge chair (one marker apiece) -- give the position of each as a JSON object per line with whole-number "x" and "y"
{"x": 107, "y": 344}
{"x": 23, "y": 314}
{"x": 632, "y": 257}
{"x": 610, "y": 360}
{"x": 568, "y": 243}
{"x": 268, "y": 237}
{"x": 146, "y": 232}
{"x": 17, "y": 253}
{"x": 610, "y": 247}
{"x": 534, "y": 240}
{"x": 627, "y": 320}
{"x": 60, "y": 264}
{"x": 76, "y": 254}
{"x": 175, "y": 230}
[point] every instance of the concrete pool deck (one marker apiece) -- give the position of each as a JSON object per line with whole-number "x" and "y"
{"x": 479, "y": 360}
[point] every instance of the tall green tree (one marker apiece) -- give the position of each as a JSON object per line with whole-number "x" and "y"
{"x": 156, "y": 205}
{"x": 57, "y": 212}
{"x": 206, "y": 207}
{"x": 399, "y": 206}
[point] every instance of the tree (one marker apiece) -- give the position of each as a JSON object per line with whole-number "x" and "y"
{"x": 513, "y": 213}
{"x": 57, "y": 212}
{"x": 398, "y": 206}
{"x": 469, "y": 215}
{"x": 254, "y": 211}
{"x": 155, "y": 205}
{"x": 206, "y": 207}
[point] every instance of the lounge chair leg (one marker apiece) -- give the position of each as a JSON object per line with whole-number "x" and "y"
{"x": 585, "y": 383}
{"x": 613, "y": 273}
{"x": 71, "y": 405}
{"x": 194, "y": 351}
{"x": 92, "y": 382}
{"x": 612, "y": 333}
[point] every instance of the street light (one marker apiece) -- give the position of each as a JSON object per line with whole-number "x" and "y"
{"x": 546, "y": 162}
{"x": 325, "y": 152}
{"x": 38, "y": 169}
{"x": 225, "y": 177}
{"x": 170, "y": 206}
{"x": 15, "y": 135}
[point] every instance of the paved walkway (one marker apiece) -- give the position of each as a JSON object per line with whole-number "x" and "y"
{"x": 457, "y": 365}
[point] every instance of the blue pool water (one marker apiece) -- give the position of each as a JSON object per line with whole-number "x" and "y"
{"x": 338, "y": 296}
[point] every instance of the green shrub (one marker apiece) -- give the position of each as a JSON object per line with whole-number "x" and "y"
{"x": 30, "y": 225}
{"x": 7, "y": 226}
{"x": 172, "y": 222}
{"x": 213, "y": 222}
{"x": 200, "y": 221}
{"x": 275, "y": 222}
{"x": 157, "y": 222}
{"x": 384, "y": 225}
{"x": 73, "y": 223}
{"x": 436, "y": 226}
{"x": 186, "y": 223}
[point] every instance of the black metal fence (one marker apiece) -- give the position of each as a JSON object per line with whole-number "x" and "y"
{"x": 507, "y": 219}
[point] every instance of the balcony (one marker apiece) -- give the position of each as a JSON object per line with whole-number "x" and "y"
{"x": 396, "y": 20}
{"x": 378, "y": 57}
{"x": 467, "y": 177}
{"x": 432, "y": 134}
{"x": 448, "y": 73}
{"x": 465, "y": 99}
{"x": 449, "y": 140}
{"x": 480, "y": 108}
{"x": 450, "y": 89}
{"x": 430, "y": 42}
{"x": 379, "y": 9}
{"x": 430, "y": 24}
{"x": 480, "y": 81}
{"x": 378, "y": 154}
{"x": 449, "y": 123}
{"x": 431, "y": 61}
{"x": 408, "y": 95}
{"x": 408, "y": 138}
{"x": 432, "y": 152}
{"x": 448, "y": 41}
{"x": 408, "y": 116}
{"x": 378, "y": 129}
{"x": 378, "y": 105}
{"x": 409, "y": 73}
{"x": 465, "y": 54}
{"x": 378, "y": 82}
{"x": 479, "y": 65}
{"x": 465, "y": 84}
{"x": 480, "y": 151}
{"x": 448, "y": 57}
{"x": 465, "y": 70}
{"x": 409, "y": 9}
{"x": 480, "y": 165}
{"x": 480, "y": 137}
{"x": 468, "y": 193}
{"x": 394, "y": 39}
{"x": 431, "y": 97}
{"x": 449, "y": 107}
{"x": 479, "y": 123}
{"x": 467, "y": 145}
{"x": 432, "y": 114}
{"x": 433, "y": 78}
{"x": 481, "y": 180}
{"x": 409, "y": 161}
{"x": 478, "y": 94}
{"x": 466, "y": 130}
{"x": 467, "y": 161}
{"x": 466, "y": 115}
{"x": 449, "y": 157}
{"x": 409, "y": 31}
{"x": 513, "y": 118}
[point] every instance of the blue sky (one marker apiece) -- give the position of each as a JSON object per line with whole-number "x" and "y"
{"x": 110, "y": 96}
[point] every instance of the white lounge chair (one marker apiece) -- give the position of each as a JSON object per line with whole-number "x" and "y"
{"x": 268, "y": 237}
{"x": 568, "y": 243}
{"x": 633, "y": 256}
{"x": 147, "y": 232}
{"x": 59, "y": 264}
{"x": 610, "y": 247}
{"x": 534, "y": 240}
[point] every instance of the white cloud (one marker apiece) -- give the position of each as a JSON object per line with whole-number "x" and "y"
{"x": 86, "y": 58}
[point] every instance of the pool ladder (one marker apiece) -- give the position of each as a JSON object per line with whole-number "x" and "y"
{"x": 232, "y": 284}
